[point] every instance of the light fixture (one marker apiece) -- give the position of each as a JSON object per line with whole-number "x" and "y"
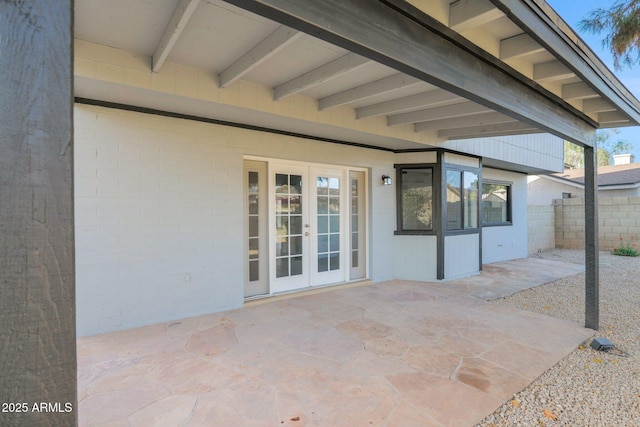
{"x": 386, "y": 180}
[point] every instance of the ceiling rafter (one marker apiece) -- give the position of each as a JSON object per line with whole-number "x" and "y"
{"x": 333, "y": 69}
{"x": 514, "y": 128}
{"x": 401, "y": 36}
{"x": 467, "y": 14}
{"x": 517, "y": 46}
{"x": 272, "y": 44}
{"x": 612, "y": 117}
{"x": 469, "y": 121}
{"x": 551, "y": 71}
{"x": 431, "y": 98}
{"x": 579, "y": 90}
{"x": 181, "y": 15}
{"x": 367, "y": 90}
{"x": 437, "y": 113}
{"x": 596, "y": 105}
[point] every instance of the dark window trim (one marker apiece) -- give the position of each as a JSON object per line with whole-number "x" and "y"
{"x": 461, "y": 169}
{"x": 509, "y": 221}
{"x": 434, "y": 225}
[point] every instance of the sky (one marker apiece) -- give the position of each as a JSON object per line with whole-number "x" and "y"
{"x": 573, "y": 11}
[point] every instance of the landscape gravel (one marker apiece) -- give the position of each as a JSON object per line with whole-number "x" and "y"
{"x": 588, "y": 387}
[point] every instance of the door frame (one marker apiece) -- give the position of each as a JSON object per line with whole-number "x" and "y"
{"x": 271, "y": 166}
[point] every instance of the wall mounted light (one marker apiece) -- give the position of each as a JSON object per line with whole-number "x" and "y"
{"x": 386, "y": 180}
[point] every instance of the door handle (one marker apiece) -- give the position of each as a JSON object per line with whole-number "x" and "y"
{"x": 306, "y": 233}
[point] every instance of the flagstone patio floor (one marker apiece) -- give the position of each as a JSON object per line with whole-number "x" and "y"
{"x": 396, "y": 353}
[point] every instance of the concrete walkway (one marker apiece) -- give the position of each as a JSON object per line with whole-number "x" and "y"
{"x": 398, "y": 353}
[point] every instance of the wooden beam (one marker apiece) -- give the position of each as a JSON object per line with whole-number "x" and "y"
{"x": 272, "y": 44}
{"x": 517, "y": 46}
{"x": 579, "y": 90}
{"x": 597, "y": 105}
{"x": 400, "y": 36}
{"x": 425, "y": 99}
{"x": 437, "y": 113}
{"x": 515, "y": 128}
{"x": 591, "y": 250}
{"x": 551, "y": 71}
{"x": 367, "y": 90}
{"x": 460, "y": 122}
{"x": 467, "y": 14}
{"x": 37, "y": 274}
{"x": 333, "y": 69}
{"x": 177, "y": 23}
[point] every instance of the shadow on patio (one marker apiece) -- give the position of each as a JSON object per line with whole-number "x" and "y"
{"x": 397, "y": 353}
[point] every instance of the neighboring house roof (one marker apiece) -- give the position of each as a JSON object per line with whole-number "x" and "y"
{"x": 609, "y": 177}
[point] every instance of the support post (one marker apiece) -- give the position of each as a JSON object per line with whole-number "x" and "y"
{"x": 592, "y": 276}
{"x": 37, "y": 278}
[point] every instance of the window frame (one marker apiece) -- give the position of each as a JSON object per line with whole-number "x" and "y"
{"x": 435, "y": 206}
{"x": 509, "y": 187}
{"x": 461, "y": 169}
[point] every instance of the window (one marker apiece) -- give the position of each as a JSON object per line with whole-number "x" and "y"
{"x": 415, "y": 201}
{"x": 496, "y": 203}
{"x": 461, "y": 199}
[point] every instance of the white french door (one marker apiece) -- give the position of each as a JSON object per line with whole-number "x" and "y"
{"x": 307, "y": 221}
{"x": 305, "y": 225}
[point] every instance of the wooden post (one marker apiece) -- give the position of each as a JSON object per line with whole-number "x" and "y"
{"x": 592, "y": 263}
{"x": 37, "y": 284}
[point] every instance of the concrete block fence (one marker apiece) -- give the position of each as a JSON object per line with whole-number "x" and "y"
{"x": 541, "y": 228}
{"x": 618, "y": 218}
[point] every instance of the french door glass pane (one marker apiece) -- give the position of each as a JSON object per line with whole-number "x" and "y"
{"x": 354, "y": 223}
{"x": 288, "y": 210}
{"x": 328, "y": 223}
{"x": 253, "y": 219}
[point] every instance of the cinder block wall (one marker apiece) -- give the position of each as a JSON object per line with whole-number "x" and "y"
{"x": 541, "y": 229}
{"x": 618, "y": 218}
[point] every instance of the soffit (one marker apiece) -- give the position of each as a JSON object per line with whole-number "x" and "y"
{"x": 225, "y": 40}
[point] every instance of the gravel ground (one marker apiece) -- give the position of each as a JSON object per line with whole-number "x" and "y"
{"x": 588, "y": 387}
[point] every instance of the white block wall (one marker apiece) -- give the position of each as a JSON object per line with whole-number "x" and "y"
{"x": 500, "y": 243}
{"x": 159, "y": 224}
{"x": 541, "y": 228}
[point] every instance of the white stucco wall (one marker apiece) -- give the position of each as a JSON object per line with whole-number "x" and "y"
{"x": 543, "y": 191}
{"x": 500, "y": 243}
{"x": 158, "y": 214}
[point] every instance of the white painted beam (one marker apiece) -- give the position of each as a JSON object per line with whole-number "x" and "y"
{"x": 425, "y": 99}
{"x": 462, "y": 122}
{"x": 611, "y": 117}
{"x": 467, "y": 14}
{"x": 596, "y": 105}
{"x": 367, "y": 90}
{"x": 438, "y": 113}
{"x": 520, "y": 45}
{"x": 272, "y": 44}
{"x": 515, "y": 128}
{"x": 333, "y": 69}
{"x": 579, "y": 90}
{"x": 551, "y": 71}
{"x": 177, "y": 23}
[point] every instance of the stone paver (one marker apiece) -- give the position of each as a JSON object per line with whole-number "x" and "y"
{"x": 397, "y": 353}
